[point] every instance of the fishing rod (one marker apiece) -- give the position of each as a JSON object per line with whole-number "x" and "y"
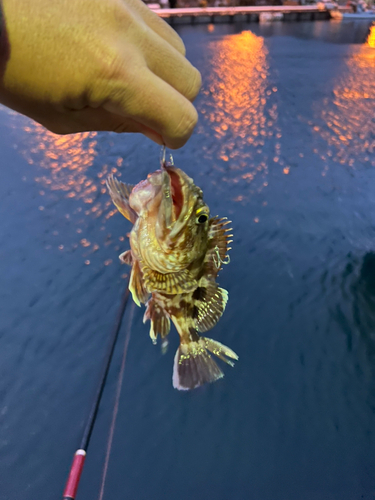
{"x": 76, "y": 468}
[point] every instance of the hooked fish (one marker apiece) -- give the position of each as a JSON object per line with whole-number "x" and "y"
{"x": 176, "y": 252}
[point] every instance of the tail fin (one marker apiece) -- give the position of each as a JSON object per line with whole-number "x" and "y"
{"x": 194, "y": 366}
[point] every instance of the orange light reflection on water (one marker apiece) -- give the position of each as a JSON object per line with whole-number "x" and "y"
{"x": 241, "y": 110}
{"x": 348, "y": 125}
{"x": 67, "y": 161}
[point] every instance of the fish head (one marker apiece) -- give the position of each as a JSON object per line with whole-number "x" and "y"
{"x": 174, "y": 204}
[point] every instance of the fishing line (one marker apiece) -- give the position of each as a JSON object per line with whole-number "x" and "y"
{"x": 80, "y": 455}
{"x": 116, "y": 405}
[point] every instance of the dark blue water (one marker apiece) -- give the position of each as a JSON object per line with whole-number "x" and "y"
{"x": 285, "y": 147}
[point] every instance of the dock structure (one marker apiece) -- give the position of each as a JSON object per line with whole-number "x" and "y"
{"x": 193, "y": 15}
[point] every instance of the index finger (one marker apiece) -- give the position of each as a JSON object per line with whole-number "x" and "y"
{"x": 153, "y": 103}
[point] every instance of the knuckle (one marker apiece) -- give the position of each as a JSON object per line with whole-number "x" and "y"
{"x": 195, "y": 85}
{"x": 114, "y": 82}
{"x": 111, "y": 65}
{"x": 179, "y": 44}
{"x": 170, "y": 35}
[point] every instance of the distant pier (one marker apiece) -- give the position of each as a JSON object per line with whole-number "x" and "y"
{"x": 264, "y": 13}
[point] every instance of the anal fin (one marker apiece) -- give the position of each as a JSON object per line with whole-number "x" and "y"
{"x": 160, "y": 322}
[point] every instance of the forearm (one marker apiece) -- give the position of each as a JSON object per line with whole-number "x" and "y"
{"x": 4, "y": 44}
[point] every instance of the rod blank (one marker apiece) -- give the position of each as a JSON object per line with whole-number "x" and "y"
{"x": 74, "y": 477}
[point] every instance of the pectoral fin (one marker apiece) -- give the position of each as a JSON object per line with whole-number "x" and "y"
{"x": 170, "y": 283}
{"x": 126, "y": 257}
{"x": 210, "y": 301}
{"x": 120, "y": 192}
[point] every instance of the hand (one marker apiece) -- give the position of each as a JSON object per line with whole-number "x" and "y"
{"x": 79, "y": 65}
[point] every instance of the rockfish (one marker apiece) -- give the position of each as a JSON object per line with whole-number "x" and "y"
{"x": 176, "y": 253}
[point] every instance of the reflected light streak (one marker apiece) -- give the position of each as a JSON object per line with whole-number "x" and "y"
{"x": 349, "y": 120}
{"x": 66, "y": 159}
{"x": 241, "y": 108}
{"x": 68, "y": 164}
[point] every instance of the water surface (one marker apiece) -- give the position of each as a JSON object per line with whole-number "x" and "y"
{"x": 285, "y": 148}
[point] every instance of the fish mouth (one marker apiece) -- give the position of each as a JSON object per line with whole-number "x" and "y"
{"x": 172, "y": 197}
{"x": 176, "y": 192}
{"x": 177, "y": 201}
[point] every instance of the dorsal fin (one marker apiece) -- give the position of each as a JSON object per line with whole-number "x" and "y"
{"x": 210, "y": 301}
{"x": 218, "y": 240}
{"x": 170, "y": 283}
{"x": 120, "y": 192}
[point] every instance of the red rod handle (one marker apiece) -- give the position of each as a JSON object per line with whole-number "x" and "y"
{"x": 74, "y": 475}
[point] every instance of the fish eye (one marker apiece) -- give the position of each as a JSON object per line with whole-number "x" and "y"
{"x": 202, "y": 216}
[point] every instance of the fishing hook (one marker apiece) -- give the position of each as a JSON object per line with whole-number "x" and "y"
{"x": 163, "y": 155}
{"x": 219, "y": 260}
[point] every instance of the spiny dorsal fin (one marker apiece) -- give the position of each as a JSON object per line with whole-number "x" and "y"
{"x": 160, "y": 322}
{"x": 218, "y": 245}
{"x": 136, "y": 286}
{"x": 169, "y": 283}
{"x": 210, "y": 301}
{"x": 120, "y": 192}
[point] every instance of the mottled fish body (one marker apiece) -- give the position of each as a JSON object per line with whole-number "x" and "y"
{"x": 176, "y": 252}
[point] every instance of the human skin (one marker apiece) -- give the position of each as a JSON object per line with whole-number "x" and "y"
{"x": 79, "y": 65}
